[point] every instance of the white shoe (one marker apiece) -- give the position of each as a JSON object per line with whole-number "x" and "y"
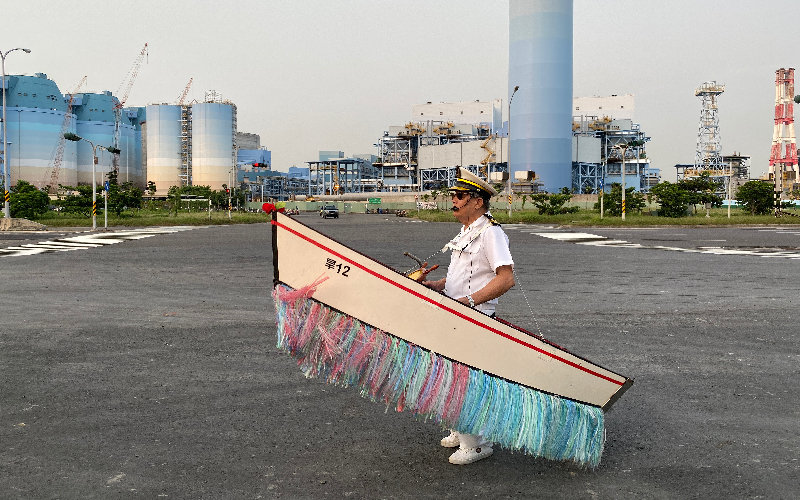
{"x": 466, "y": 456}
{"x": 451, "y": 441}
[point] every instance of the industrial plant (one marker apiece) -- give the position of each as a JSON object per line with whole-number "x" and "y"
{"x": 550, "y": 140}
{"x": 176, "y": 144}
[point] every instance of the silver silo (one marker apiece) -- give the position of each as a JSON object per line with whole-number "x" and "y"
{"x": 213, "y": 144}
{"x": 163, "y": 139}
{"x": 540, "y": 62}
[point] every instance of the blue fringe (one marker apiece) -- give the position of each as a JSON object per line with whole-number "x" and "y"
{"x": 395, "y": 372}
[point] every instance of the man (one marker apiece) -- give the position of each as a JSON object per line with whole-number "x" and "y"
{"x": 480, "y": 271}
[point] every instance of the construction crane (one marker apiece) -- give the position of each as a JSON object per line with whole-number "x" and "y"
{"x": 185, "y": 92}
{"x": 129, "y": 79}
{"x": 58, "y": 153}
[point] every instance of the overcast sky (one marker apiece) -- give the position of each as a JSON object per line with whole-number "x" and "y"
{"x": 333, "y": 75}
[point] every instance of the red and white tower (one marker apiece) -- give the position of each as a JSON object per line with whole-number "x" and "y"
{"x": 783, "y": 159}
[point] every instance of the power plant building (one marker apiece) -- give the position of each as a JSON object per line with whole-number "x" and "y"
{"x": 617, "y": 107}
{"x": 475, "y": 113}
{"x": 605, "y": 123}
{"x": 171, "y": 145}
{"x": 37, "y": 116}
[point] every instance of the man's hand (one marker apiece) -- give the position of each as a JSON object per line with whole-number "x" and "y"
{"x": 437, "y": 285}
{"x": 425, "y": 271}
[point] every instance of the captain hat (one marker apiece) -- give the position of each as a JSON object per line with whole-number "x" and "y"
{"x": 467, "y": 181}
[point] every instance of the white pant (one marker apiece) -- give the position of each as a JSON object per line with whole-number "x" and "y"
{"x": 469, "y": 440}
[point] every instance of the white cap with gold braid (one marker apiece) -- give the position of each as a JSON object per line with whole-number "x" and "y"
{"x": 467, "y": 181}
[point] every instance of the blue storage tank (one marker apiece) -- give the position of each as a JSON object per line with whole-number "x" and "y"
{"x": 35, "y": 110}
{"x": 213, "y": 154}
{"x": 132, "y": 169}
{"x": 540, "y": 63}
{"x": 96, "y": 124}
{"x": 96, "y": 119}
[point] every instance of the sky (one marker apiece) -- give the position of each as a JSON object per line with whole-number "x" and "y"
{"x": 311, "y": 75}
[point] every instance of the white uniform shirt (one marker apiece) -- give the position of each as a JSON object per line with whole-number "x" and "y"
{"x": 474, "y": 260}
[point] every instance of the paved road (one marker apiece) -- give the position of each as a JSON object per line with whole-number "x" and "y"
{"x": 147, "y": 369}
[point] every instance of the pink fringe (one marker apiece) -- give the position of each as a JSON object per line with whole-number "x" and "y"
{"x": 288, "y": 295}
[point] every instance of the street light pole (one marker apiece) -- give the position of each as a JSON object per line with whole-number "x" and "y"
{"x": 730, "y": 179}
{"x": 74, "y": 137}
{"x": 7, "y": 170}
{"x": 636, "y": 143}
{"x": 94, "y": 185}
{"x": 623, "y": 181}
{"x": 230, "y": 183}
{"x": 508, "y": 159}
{"x": 623, "y": 147}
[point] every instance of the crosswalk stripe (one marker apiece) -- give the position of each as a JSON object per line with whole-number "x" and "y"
{"x": 91, "y": 240}
{"x": 581, "y": 238}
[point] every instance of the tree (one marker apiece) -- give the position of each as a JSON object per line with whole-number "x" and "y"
{"x": 757, "y": 197}
{"x": 27, "y": 201}
{"x": 151, "y": 188}
{"x": 219, "y": 199}
{"x": 78, "y": 201}
{"x": 612, "y": 201}
{"x": 701, "y": 190}
{"x": 122, "y": 197}
{"x": 553, "y": 204}
{"x": 674, "y": 200}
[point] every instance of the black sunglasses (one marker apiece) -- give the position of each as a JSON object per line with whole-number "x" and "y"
{"x": 460, "y": 195}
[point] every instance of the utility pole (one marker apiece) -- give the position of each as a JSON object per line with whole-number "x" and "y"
{"x": 509, "y": 150}
{"x": 6, "y": 163}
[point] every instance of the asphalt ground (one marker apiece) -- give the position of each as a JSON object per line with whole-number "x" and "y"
{"x": 148, "y": 369}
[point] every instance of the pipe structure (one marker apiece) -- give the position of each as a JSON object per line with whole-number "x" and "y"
{"x": 540, "y": 62}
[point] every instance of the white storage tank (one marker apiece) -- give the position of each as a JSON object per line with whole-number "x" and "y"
{"x": 163, "y": 139}
{"x": 213, "y": 144}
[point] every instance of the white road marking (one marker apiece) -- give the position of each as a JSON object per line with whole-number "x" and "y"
{"x": 89, "y": 240}
{"x": 580, "y": 238}
{"x": 116, "y": 478}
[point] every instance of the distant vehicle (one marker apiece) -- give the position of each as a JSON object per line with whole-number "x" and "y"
{"x": 329, "y": 211}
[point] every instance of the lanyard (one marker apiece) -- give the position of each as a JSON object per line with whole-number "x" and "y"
{"x": 455, "y": 243}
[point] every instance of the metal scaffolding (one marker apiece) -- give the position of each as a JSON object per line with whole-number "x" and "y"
{"x": 590, "y": 177}
{"x": 276, "y": 187}
{"x": 586, "y": 177}
{"x": 437, "y": 178}
{"x": 186, "y": 145}
{"x": 343, "y": 175}
{"x": 708, "y": 157}
{"x": 400, "y": 149}
{"x": 735, "y": 169}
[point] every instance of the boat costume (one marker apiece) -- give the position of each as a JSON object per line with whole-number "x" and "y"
{"x": 465, "y": 371}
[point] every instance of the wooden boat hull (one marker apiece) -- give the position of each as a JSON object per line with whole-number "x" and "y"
{"x": 377, "y": 295}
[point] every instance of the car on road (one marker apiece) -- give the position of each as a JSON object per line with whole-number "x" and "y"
{"x": 329, "y": 211}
